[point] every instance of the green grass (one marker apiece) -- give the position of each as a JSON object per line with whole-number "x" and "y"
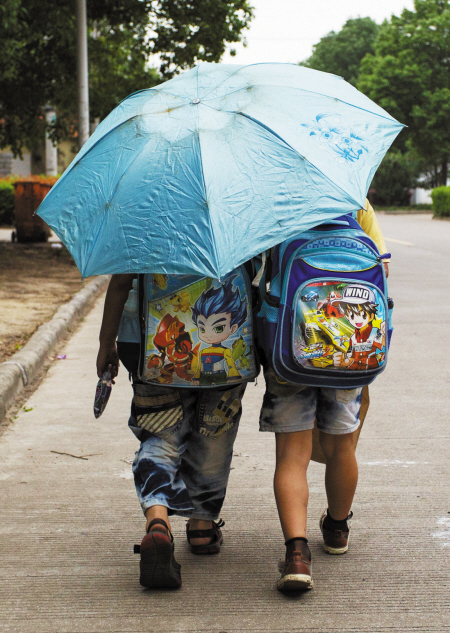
{"x": 412, "y": 208}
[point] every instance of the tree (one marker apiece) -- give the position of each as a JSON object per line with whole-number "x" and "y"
{"x": 37, "y": 55}
{"x": 395, "y": 178}
{"x": 341, "y": 53}
{"x": 187, "y": 31}
{"x": 409, "y": 75}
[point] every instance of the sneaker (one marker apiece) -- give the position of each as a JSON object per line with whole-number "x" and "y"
{"x": 335, "y": 541}
{"x": 296, "y": 568}
{"x": 158, "y": 567}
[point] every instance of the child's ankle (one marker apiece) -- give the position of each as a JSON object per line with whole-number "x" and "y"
{"x": 331, "y": 524}
{"x": 298, "y": 544}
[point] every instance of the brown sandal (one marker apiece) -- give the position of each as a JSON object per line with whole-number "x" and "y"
{"x": 214, "y": 533}
{"x": 158, "y": 566}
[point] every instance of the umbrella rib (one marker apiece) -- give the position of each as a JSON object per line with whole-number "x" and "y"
{"x": 154, "y": 89}
{"x": 294, "y": 88}
{"x": 352, "y": 105}
{"x": 203, "y": 178}
{"x": 228, "y": 94}
{"x": 108, "y": 204}
{"x": 102, "y": 138}
{"x": 240, "y": 68}
{"x": 96, "y": 238}
{"x": 313, "y": 92}
{"x": 298, "y": 153}
{"x": 226, "y": 79}
{"x": 113, "y": 129}
{"x": 85, "y": 267}
{"x": 206, "y": 198}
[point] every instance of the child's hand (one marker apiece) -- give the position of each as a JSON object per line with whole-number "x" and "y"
{"x": 386, "y": 269}
{"x": 108, "y": 356}
{"x": 338, "y": 359}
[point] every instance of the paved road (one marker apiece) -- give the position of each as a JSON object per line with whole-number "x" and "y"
{"x": 68, "y": 525}
{"x": 5, "y": 236}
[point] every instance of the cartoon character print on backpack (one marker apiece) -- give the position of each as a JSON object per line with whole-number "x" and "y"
{"x": 175, "y": 346}
{"x": 345, "y": 329}
{"x": 368, "y": 342}
{"x": 241, "y": 354}
{"x": 319, "y": 329}
{"x": 198, "y": 331}
{"x": 218, "y": 314}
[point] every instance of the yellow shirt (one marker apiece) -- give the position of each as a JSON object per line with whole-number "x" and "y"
{"x": 219, "y": 356}
{"x": 368, "y": 220}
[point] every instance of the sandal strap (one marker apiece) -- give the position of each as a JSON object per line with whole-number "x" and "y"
{"x": 210, "y": 532}
{"x": 200, "y": 533}
{"x": 159, "y": 522}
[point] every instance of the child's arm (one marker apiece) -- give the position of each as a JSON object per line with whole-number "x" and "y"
{"x": 116, "y": 297}
{"x": 368, "y": 221}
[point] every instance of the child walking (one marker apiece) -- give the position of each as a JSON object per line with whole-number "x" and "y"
{"x": 186, "y": 434}
{"x": 289, "y": 410}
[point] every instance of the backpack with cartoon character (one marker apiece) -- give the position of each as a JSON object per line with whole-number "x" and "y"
{"x": 326, "y": 320}
{"x": 189, "y": 331}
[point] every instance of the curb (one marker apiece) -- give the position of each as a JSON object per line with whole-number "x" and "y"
{"x": 21, "y": 368}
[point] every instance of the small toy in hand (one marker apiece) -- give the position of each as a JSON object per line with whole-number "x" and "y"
{"x": 102, "y": 393}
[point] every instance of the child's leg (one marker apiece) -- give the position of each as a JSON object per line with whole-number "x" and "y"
{"x": 341, "y": 473}
{"x": 156, "y": 468}
{"x": 289, "y": 411}
{"x": 337, "y": 420}
{"x": 157, "y": 512}
{"x": 206, "y": 462}
{"x": 293, "y": 453}
{"x": 157, "y": 419}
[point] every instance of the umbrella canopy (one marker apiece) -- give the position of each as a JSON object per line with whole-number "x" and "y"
{"x": 204, "y": 171}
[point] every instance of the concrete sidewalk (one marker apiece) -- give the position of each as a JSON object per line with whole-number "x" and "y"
{"x": 68, "y": 524}
{"x": 5, "y": 236}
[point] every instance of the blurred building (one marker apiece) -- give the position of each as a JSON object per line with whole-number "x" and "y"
{"x": 34, "y": 162}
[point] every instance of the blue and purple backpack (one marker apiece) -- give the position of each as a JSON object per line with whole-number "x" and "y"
{"x": 325, "y": 318}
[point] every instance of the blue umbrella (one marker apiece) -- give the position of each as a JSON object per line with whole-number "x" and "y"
{"x": 204, "y": 171}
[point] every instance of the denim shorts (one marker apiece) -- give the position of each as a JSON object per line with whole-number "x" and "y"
{"x": 187, "y": 438}
{"x": 288, "y": 407}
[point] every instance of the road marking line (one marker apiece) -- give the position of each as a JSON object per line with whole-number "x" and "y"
{"x": 391, "y": 239}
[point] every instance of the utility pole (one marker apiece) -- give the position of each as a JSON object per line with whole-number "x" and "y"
{"x": 82, "y": 71}
{"x": 51, "y": 153}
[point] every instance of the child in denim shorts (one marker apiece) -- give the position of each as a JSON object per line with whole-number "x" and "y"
{"x": 184, "y": 460}
{"x": 289, "y": 411}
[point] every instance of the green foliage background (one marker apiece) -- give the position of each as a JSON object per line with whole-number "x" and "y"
{"x": 38, "y": 55}
{"x": 404, "y": 66}
{"x": 341, "y": 53}
{"x": 409, "y": 75}
{"x": 6, "y": 203}
{"x": 441, "y": 201}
